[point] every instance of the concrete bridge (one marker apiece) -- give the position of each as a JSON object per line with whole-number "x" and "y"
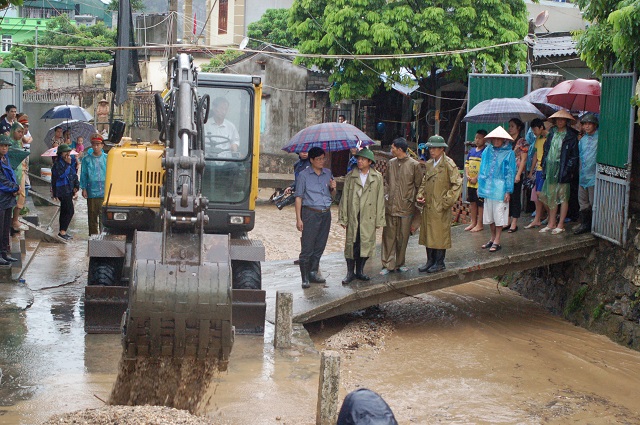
{"x": 466, "y": 262}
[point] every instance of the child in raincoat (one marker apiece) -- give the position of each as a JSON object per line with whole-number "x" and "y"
{"x": 495, "y": 184}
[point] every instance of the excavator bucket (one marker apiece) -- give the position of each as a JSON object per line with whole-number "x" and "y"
{"x": 179, "y": 306}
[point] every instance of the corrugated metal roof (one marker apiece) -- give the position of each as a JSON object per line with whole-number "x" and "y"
{"x": 554, "y": 46}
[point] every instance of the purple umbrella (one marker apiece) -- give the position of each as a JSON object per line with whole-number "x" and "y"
{"x": 538, "y": 98}
{"x": 330, "y": 136}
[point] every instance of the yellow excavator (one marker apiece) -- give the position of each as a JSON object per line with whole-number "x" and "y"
{"x": 174, "y": 269}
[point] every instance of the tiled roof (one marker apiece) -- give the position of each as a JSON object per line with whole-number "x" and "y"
{"x": 554, "y": 46}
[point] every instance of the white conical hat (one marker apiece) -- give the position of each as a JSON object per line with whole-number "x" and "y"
{"x": 499, "y": 133}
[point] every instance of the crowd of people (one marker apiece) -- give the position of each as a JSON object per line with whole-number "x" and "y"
{"x": 72, "y": 171}
{"x": 555, "y": 164}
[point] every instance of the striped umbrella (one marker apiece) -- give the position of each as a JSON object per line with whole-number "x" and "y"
{"x": 501, "y": 110}
{"x": 330, "y": 136}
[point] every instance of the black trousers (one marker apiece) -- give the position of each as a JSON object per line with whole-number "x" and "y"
{"x": 515, "y": 206}
{"x": 315, "y": 233}
{"x": 66, "y": 211}
{"x": 5, "y": 221}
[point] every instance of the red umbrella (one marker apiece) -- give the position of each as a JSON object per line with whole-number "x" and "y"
{"x": 577, "y": 95}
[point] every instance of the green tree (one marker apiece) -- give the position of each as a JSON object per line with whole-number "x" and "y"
{"x": 218, "y": 62}
{"x": 6, "y": 3}
{"x": 384, "y": 27}
{"x": 136, "y": 5}
{"x": 610, "y": 43}
{"x": 60, "y": 31}
{"x": 273, "y": 28}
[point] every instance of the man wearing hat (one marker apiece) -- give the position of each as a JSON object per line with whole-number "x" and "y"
{"x": 439, "y": 191}
{"x": 559, "y": 167}
{"x": 587, "y": 148}
{"x": 496, "y": 180}
{"x": 361, "y": 213}
{"x": 93, "y": 173}
{"x": 102, "y": 113}
{"x": 9, "y": 189}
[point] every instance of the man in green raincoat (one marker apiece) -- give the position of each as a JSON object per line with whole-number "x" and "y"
{"x": 361, "y": 213}
{"x": 439, "y": 191}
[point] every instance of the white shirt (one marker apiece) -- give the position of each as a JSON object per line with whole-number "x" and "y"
{"x": 363, "y": 178}
{"x": 227, "y": 133}
{"x": 437, "y": 161}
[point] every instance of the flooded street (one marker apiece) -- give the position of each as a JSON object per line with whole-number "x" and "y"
{"x": 472, "y": 354}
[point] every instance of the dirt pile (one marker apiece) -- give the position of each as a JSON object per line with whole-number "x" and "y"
{"x": 173, "y": 382}
{"x": 125, "y": 415}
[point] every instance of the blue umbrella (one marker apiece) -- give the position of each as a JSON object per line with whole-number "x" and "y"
{"x": 330, "y": 136}
{"x": 67, "y": 112}
{"x": 501, "y": 110}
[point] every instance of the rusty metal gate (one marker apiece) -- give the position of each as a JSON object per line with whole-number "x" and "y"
{"x": 615, "y": 143}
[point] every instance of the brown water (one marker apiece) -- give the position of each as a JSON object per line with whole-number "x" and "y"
{"x": 466, "y": 355}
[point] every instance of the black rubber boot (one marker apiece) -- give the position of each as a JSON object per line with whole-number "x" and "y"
{"x": 439, "y": 261}
{"x": 431, "y": 260}
{"x": 314, "y": 275}
{"x": 351, "y": 264}
{"x": 7, "y": 257}
{"x": 360, "y": 262}
{"x": 304, "y": 273}
{"x": 585, "y": 223}
{"x": 4, "y": 262}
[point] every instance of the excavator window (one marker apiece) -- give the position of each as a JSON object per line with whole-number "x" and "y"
{"x": 227, "y": 145}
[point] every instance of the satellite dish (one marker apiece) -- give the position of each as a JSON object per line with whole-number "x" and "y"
{"x": 541, "y": 19}
{"x": 243, "y": 43}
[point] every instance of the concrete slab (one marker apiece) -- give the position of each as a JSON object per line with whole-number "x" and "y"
{"x": 466, "y": 262}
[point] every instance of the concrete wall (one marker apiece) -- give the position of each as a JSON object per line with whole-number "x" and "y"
{"x": 284, "y": 86}
{"x": 256, "y": 8}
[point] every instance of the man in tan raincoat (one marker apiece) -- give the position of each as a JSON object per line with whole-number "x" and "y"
{"x": 402, "y": 180}
{"x": 439, "y": 191}
{"x": 361, "y": 213}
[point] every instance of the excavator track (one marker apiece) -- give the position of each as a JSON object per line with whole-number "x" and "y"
{"x": 177, "y": 307}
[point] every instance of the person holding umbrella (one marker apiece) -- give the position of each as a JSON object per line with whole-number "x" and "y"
{"x": 9, "y": 189}
{"x": 559, "y": 166}
{"x": 315, "y": 188}
{"x": 64, "y": 186}
{"x": 439, "y": 191}
{"x": 361, "y": 213}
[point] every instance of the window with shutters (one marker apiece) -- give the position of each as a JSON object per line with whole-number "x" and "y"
{"x": 223, "y": 13}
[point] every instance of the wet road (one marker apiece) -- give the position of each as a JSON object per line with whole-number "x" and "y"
{"x": 469, "y": 354}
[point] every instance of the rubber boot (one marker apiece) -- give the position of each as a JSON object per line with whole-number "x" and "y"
{"x": 4, "y": 262}
{"x": 314, "y": 275}
{"x": 360, "y": 262}
{"x": 351, "y": 264}
{"x": 304, "y": 273}
{"x": 585, "y": 223}
{"x": 439, "y": 261}
{"x": 7, "y": 257}
{"x": 431, "y": 260}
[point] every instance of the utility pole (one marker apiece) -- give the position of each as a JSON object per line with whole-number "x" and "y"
{"x": 36, "y": 51}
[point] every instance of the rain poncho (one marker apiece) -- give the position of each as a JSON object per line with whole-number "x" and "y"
{"x": 588, "y": 147}
{"x": 92, "y": 175}
{"x": 531, "y": 140}
{"x": 497, "y": 172}
{"x": 364, "y": 407}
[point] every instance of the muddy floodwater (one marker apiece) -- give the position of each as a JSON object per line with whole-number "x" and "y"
{"x": 473, "y": 354}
